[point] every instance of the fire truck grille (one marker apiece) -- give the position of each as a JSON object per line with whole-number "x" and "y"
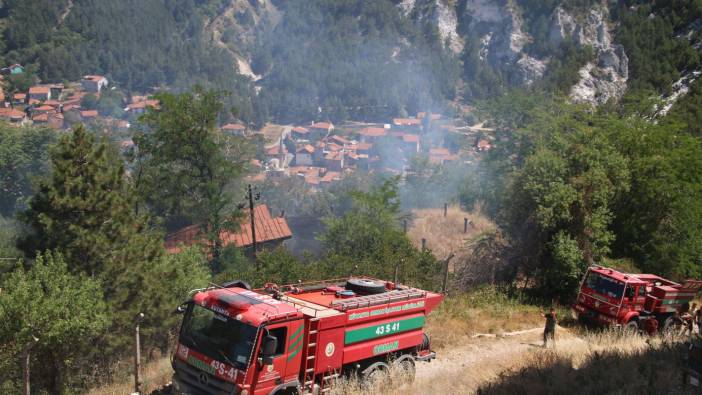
{"x": 202, "y": 383}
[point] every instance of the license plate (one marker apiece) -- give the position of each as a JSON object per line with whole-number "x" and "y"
{"x": 694, "y": 381}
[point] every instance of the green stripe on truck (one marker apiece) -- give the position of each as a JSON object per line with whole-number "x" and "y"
{"x": 376, "y": 331}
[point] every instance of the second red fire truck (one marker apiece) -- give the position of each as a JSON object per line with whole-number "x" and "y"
{"x": 610, "y": 297}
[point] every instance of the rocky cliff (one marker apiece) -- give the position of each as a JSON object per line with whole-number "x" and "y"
{"x": 504, "y": 41}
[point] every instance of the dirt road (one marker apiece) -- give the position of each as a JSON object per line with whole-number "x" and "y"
{"x": 463, "y": 369}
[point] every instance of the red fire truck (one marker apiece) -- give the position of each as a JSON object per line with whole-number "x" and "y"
{"x": 297, "y": 339}
{"x": 610, "y": 297}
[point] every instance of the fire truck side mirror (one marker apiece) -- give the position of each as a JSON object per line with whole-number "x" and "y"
{"x": 270, "y": 344}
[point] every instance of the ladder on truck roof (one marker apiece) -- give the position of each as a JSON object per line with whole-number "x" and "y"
{"x": 377, "y": 299}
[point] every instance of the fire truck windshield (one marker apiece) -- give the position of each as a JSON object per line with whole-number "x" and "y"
{"x": 217, "y": 336}
{"x": 604, "y": 285}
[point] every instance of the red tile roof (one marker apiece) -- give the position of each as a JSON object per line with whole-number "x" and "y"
{"x": 331, "y": 176}
{"x": 406, "y": 121}
{"x": 93, "y": 77}
{"x": 89, "y": 114}
{"x": 39, "y": 90}
{"x": 41, "y": 118}
{"x": 364, "y": 146}
{"x": 267, "y": 229}
{"x": 339, "y": 139}
{"x": 410, "y": 138}
{"x": 322, "y": 125}
{"x": 11, "y": 113}
{"x": 300, "y": 129}
{"x": 44, "y": 108}
{"x": 439, "y": 152}
{"x": 20, "y": 96}
{"x": 233, "y": 126}
{"x": 306, "y": 148}
{"x": 434, "y": 116}
{"x": 373, "y": 132}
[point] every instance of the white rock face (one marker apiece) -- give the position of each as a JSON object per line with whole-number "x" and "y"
{"x": 530, "y": 69}
{"x": 443, "y": 15}
{"x": 605, "y": 79}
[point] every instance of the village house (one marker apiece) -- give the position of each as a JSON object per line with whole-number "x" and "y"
{"x": 88, "y": 115}
{"x": 234, "y": 129}
{"x": 411, "y": 124}
{"x": 483, "y": 145}
{"x": 93, "y": 83}
{"x": 304, "y": 155}
{"x": 300, "y": 133}
{"x": 271, "y": 232}
{"x": 320, "y": 130}
{"x": 410, "y": 143}
{"x": 439, "y": 156}
{"x": 140, "y": 107}
{"x": 334, "y": 160}
{"x": 13, "y": 116}
{"x": 39, "y": 93}
{"x": 372, "y": 134}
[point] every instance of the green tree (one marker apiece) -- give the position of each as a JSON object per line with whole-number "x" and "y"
{"x": 85, "y": 208}
{"x": 23, "y": 156}
{"x": 368, "y": 240}
{"x": 185, "y": 167}
{"x": 659, "y": 223}
{"x": 66, "y": 312}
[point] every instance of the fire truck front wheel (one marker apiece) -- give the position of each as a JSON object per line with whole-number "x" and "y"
{"x": 632, "y": 327}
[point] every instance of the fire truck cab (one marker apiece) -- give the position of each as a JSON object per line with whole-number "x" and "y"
{"x": 297, "y": 339}
{"x": 610, "y": 297}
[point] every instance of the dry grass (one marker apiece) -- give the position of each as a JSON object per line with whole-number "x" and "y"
{"x": 445, "y": 235}
{"x": 271, "y": 132}
{"x": 595, "y": 363}
{"x": 154, "y": 374}
{"x": 483, "y": 310}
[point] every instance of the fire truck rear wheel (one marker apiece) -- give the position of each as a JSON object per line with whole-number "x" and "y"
{"x": 375, "y": 373}
{"x": 405, "y": 367}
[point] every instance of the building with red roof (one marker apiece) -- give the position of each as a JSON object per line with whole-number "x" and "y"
{"x": 40, "y": 93}
{"x": 93, "y": 83}
{"x": 370, "y": 134}
{"x": 407, "y": 122}
{"x": 13, "y": 116}
{"x": 88, "y": 115}
{"x": 235, "y": 129}
{"x": 299, "y": 132}
{"x": 270, "y": 232}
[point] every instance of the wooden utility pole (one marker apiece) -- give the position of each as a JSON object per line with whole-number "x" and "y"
{"x": 444, "y": 287}
{"x": 445, "y": 209}
{"x": 137, "y": 355}
{"x": 252, "y": 198}
{"x": 465, "y": 225}
{"x": 25, "y": 364}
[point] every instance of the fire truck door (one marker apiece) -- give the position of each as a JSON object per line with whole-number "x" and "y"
{"x": 269, "y": 376}
{"x": 640, "y": 298}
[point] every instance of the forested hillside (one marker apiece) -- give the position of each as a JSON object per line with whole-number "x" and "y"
{"x": 346, "y": 59}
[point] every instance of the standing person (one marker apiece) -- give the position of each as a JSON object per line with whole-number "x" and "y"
{"x": 687, "y": 319}
{"x": 698, "y": 320}
{"x": 550, "y": 327}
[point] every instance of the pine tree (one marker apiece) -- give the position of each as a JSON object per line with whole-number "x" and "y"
{"x": 84, "y": 209}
